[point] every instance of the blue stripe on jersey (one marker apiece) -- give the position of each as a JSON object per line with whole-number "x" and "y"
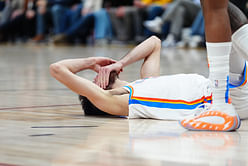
{"x": 163, "y": 105}
{"x": 130, "y": 91}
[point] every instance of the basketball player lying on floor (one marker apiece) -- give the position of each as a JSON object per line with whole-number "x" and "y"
{"x": 172, "y": 97}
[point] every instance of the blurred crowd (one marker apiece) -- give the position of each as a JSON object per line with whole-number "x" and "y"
{"x": 176, "y": 22}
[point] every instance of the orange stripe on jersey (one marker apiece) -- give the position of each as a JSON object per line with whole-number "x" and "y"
{"x": 149, "y": 99}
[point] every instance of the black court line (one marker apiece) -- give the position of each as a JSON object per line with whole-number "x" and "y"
{"x": 40, "y": 135}
{"x": 40, "y": 106}
{"x": 41, "y": 127}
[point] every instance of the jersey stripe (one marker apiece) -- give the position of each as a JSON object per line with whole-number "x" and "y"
{"x": 166, "y": 103}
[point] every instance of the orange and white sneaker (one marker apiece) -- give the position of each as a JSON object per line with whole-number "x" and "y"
{"x": 213, "y": 119}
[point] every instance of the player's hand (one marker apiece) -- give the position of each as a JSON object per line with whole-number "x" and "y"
{"x": 102, "y": 78}
{"x": 101, "y": 61}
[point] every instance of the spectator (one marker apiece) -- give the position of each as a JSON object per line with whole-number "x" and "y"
{"x": 195, "y": 35}
{"x": 83, "y": 27}
{"x": 11, "y": 10}
{"x": 54, "y": 12}
{"x": 180, "y": 13}
{"x": 147, "y": 10}
{"x": 103, "y": 29}
{"x": 120, "y": 13}
{"x": 24, "y": 19}
{"x": 128, "y": 17}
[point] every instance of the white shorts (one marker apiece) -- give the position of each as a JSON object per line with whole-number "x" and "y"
{"x": 168, "y": 97}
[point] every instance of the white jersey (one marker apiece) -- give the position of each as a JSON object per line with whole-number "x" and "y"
{"x": 168, "y": 97}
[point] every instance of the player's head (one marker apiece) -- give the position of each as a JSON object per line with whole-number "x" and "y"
{"x": 91, "y": 109}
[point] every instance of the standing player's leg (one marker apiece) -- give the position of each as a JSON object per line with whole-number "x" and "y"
{"x": 238, "y": 57}
{"x": 237, "y": 62}
{"x": 222, "y": 116}
{"x": 239, "y": 26}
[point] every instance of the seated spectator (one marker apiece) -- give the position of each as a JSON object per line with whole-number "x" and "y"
{"x": 24, "y": 19}
{"x": 84, "y": 25}
{"x": 103, "y": 29}
{"x": 56, "y": 13}
{"x": 120, "y": 13}
{"x": 147, "y": 10}
{"x": 180, "y": 13}
{"x": 195, "y": 35}
{"x": 11, "y": 9}
{"x": 127, "y": 18}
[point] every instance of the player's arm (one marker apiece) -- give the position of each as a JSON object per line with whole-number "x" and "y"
{"x": 65, "y": 72}
{"x": 92, "y": 63}
{"x": 149, "y": 50}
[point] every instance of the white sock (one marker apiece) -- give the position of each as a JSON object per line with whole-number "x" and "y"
{"x": 240, "y": 41}
{"x": 218, "y": 59}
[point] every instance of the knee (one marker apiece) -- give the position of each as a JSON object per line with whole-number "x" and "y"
{"x": 156, "y": 41}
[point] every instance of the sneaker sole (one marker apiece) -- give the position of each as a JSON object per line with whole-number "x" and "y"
{"x": 194, "y": 125}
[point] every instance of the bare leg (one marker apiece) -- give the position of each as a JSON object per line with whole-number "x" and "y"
{"x": 222, "y": 116}
{"x": 240, "y": 30}
{"x": 217, "y": 24}
{"x": 238, "y": 54}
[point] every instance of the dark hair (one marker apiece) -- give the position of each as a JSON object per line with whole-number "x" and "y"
{"x": 91, "y": 109}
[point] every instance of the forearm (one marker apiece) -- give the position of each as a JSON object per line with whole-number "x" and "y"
{"x": 79, "y": 85}
{"x": 142, "y": 51}
{"x": 77, "y": 65}
{"x": 149, "y": 50}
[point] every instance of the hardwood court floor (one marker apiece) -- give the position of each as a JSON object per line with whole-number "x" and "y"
{"x": 42, "y": 124}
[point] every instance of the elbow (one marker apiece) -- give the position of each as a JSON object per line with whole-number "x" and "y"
{"x": 55, "y": 69}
